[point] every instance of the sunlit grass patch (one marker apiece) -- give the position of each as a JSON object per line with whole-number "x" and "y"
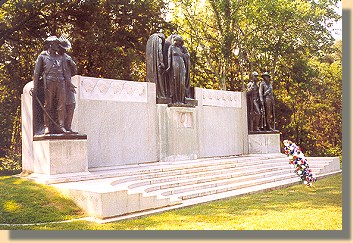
{"x": 24, "y": 201}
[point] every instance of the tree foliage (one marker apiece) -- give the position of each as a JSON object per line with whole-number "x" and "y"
{"x": 288, "y": 38}
{"x": 108, "y": 40}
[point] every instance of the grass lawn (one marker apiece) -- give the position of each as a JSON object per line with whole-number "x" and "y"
{"x": 293, "y": 208}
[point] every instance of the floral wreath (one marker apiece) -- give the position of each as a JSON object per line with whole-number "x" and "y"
{"x": 298, "y": 160}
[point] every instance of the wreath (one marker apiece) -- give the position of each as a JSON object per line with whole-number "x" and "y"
{"x": 299, "y": 162}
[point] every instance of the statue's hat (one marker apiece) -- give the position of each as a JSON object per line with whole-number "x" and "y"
{"x": 64, "y": 43}
{"x": 265, "y": 74}
{"x": 52, "y": 39}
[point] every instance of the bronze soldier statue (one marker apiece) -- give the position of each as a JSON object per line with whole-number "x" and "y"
{"x": 267, "y": 102}
{"x": 254, "y": 103}
{"x": 51, "y": 72}
{"x": 70, "y": 88}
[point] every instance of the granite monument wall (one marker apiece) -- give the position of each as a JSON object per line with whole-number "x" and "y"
{"x": 125, "y": 126}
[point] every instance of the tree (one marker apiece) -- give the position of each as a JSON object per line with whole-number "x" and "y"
{"x": 291, "y": 40}
{"x": 108, "y": 39}
{"x": 264, "y": 34}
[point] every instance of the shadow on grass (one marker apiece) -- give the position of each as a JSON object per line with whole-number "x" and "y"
{"x": 24, "y": 201}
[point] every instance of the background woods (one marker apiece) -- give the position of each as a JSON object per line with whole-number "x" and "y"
{"x": 227, "y": 40}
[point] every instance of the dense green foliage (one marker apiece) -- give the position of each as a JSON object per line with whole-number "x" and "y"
{"x": 227, "y": 40}
{"x": 294, "y": 208}
{"x": 290, "y": 39}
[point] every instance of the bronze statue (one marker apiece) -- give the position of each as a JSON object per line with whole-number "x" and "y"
{"x": 52, "y": 75}
{"x": 70, "y": 88}
{"x": 168, "y": 66}
{"x": 178, "y": 68}
{"x": 155, "y": 67}
{"x": 187, "y": 67}
{"x": 254, "y": 103}
{"x": 267, "y": 103}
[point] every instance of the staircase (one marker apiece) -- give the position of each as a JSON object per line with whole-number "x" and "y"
{"x": 148, "y": 188}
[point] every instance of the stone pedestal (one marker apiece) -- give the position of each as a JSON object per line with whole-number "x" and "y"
{"x": 264, "y": 143}
{"x": 177, "y": 133}
{"x": 60, "y": 156}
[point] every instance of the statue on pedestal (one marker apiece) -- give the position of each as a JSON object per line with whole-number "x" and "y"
{"x": 70, "y": 88}
{"x": 53, "y": 88}
{"x": 178, "y": 66}
{"x": 168, "y": 66}
{"x": 253, "y": 103}
{"x": 267, "y": 103}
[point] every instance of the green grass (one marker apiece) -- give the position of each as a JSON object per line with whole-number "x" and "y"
{"x": 295, "y": 208}
{"x": 24, "y": 201}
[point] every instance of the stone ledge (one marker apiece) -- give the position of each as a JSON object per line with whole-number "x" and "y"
{"x": 264, "y": 132}
{"x": 68, "y": 136}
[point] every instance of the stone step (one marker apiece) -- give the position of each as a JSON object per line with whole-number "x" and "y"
{"x": 186, "y": 176}
{"x": 132, "y": 189}
{"x": 230, "y": 185}
{"x": 170, "y": 166}
{"x": 177, "y": 181}
{"x": 243, "y": 191}
{"x": 150, "y": 168}
{"x": 205, "y": 185}
{"x": 183, "y": 172}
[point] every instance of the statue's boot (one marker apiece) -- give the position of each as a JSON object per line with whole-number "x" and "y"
{"x": 46, "y": 130}
{"x": 62, "y": 129}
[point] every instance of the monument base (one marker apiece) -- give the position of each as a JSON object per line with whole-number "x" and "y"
{"x": 54, "y": 155}
{"x": 263, "y": 143}
{"x": 177, "y": 133}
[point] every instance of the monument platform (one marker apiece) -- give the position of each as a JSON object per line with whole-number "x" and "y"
{"x": 141, "y": 157}
{"x": 115, "y": 193}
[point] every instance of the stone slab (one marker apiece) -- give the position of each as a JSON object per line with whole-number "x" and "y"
{"x": 58, "y": 156}
{"x": 264, "y": 143}
{"x": 177, "y": 133}
{"x": 119, "y": 118}
{"x": 27, "y": 129}
{"x": 222, "y": 123}
{"x": 220, "y": 98}
{"x": 111, "y": 89}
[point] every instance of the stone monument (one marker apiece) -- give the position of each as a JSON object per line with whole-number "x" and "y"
{"x": 134, "y": 130}
{"x": 263, "y": 137}
{"x": 54, "y": 148}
